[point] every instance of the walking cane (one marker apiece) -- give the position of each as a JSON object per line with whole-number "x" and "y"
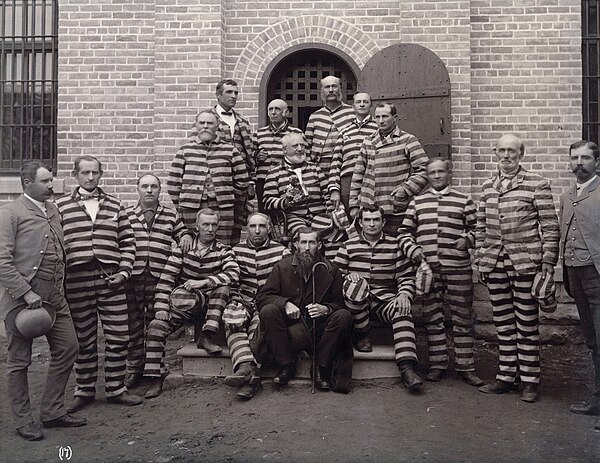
{"x": 314, "y": 330}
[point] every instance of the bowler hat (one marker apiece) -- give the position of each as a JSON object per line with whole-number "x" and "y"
{"x": 30, "y": 323}
{"x": 544, "y": 291}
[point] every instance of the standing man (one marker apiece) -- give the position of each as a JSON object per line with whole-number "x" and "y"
{"x": 256, "y": 258}
{"x": 100, "y": 248}
{"x": 516, "y": 237}
{"x": 31, "y": 271}
{"x": 208, "y": 173}
{"x": 347, "y": 150}
{"x": 288, "y": 307}
{"x": 156, "y": 229}
{"x": 580, "y": 251}
{"x": 325, "y": 124}
{"x": 266, "y": 144}
{"x": 389, "y": 171}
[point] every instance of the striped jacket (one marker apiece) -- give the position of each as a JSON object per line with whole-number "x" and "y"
{"x": 279, "y": 179}
{"x": 216, "y": 264}
{"x": 109, "y": 239}
{"x": 154, "y": 245}
{"x": 434, "y": 221}
{"x": 520, "y": 219}
{"x": 187, "y": 175}
{"x": 397, "y": 160}
{"x": 268, "y": 140}
{"x": 322, "y": 133}
{"x": 385, "y": 268}
{"x": 347, "y": 150}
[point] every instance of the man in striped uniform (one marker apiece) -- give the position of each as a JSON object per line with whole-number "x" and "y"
{"x": 347, "y": 149}
{"x": 266, "y": 144}
{"x": 256, "y": 258}
{"x": 208, "y": 270}
{"x": 439, "y": 226}
{"x": 156, "y": 228}
{"x": 389, "y": 170}
{"x": 207, "y": 172}
{"x": 516, "y": 237}
{"x": 324, "y": 125}
{"x": 296, "y": 186}
{"x": 100, "y": 249}
{"x": 373, "y": 260}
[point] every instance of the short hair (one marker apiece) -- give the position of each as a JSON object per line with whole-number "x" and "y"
{"x": 264, "y": 216}
{"x": 29, "y": 171}
{"x": 370, "y": 208}
{"x": 207, "y": 211}
{"x": 224, "y": 82}
{"x": 588, "y": 144}
{"x": 86, "y": 157}
{"x": 392, "y": 106}
{"x": 207, "y": 111}
{"x": 446, "y": 162}
{"x": 304, "y": 231}
{"x": 145, "y": 175}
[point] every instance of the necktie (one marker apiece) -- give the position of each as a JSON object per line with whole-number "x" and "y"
{"x": 89, "y": 196}
{"x": 227, "y": 113}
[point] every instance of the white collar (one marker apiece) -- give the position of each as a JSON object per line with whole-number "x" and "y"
{"x": 41, "y": 205}
{"x": 581, "y": 186}
{"x": 443, "y": 191}
{"x": 221, "y": 109}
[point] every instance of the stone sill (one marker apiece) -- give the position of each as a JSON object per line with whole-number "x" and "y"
{"x": 12, "y": 185}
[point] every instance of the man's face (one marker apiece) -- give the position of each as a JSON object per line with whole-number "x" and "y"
{"x": 258, "y": 230}
{"x": 228, "y": 97}
{"x": 362, "y": 104}
{"x": 41, "y": 188}
{"x": 207, "y": 228}
{"x": 438, "y": 175}
{"x": 330, "y": 90}
{"x": 372, "y": 224}
{"x": 148, "y": 190}
{"x": 294, "y": 149}
{"x": 583, "y": 163}
{"x": 88, "y": 176}
{"x": 278, "y": 112}
{"x": 508, "y": 153}
{"x": 309, "y": 243}
{"x": 206, "y": 124}
{"x": 384, "y": 119}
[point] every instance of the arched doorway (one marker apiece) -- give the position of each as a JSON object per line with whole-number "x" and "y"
{"x": 294, "y": 77}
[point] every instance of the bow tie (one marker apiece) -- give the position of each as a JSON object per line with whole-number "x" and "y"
{"x": 227, "y": 113}
{"x": 89, "y": 196}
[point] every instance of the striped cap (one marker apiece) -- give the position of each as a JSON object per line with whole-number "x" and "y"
{"x": 182, "y": 299}
{"x": 356, "y": 292}
{"x": 544, "y": 291}
{"x": 325, "y": 226}
{"x": 424, "y": 279}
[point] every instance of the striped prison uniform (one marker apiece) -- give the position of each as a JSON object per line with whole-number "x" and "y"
{"x": 517, "y": 231}
{"x": 267, "y": 141}
{"x": 385, "y": 163}
{"x": 255, "y": 264}
{"x": 433, "y": 222}
{"x": 388, "y": 274}
{"x": 345, "y": 154}
{"x": 279, "y": 180}
{"x": 95, "y": 250}
{"x": 218, "y": 265}
{"x": 323, "y": 131}
{"x": 204, "y": 175}
{"x": 153, "y": 247}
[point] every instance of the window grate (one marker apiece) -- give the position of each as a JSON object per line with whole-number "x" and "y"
{"x": 590, "y": 47}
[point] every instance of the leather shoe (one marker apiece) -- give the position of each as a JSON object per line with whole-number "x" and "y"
{"x": 321, "y": 379}
{"x": 241, "y": 376}
{"x": 411, "y": 379}
{"x": 205, "y": 342}
{"x": 585, "y": 408}
{"x": 529, "y": 392}
{"x": 78, "y": 403}
{"x": 364, "y": 344}
{"x": 435, "y": 375}
{"x": 497, "y": 387}
{"x": 126, "y": 399}
{"x": 133, "y": 380}
{"x": 470, "y": 378}
{"x": 155, "y": 389}
{"x": 286, "y": 373}
{"x": 65, "y": 421}
{"x": 255, "y": 377}
{"x": 30, "y": 432}
{"x": 341, "y": 385}
{"x": 246, "y": 392}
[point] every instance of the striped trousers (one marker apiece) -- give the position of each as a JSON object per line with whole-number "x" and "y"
{"x": 140, "y": 302}
{"x": 238, "y": 341}
{"x": 90, "y": 298}
{"x": 453, "y": 285}
{"x": 226, "y": 219}
{"x": 516, "y": 317}
{"x": 159, "y": 330}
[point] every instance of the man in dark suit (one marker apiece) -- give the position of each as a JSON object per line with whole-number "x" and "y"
{"x": 288, "y": 307}
{"x": 31, "y": 271}
{"x": 580, "y": 251}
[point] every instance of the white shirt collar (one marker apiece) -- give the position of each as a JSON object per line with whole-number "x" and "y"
{"x": 443, "y": 191}
{"x": 41, "y": 205}
{"x": 581, "y": 186}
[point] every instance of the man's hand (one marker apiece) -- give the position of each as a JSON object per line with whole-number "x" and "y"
{"x": 461, "y": 244}
{"x": 353, "y": 277}
{"x": 317, "y": 310}
{"x": 403, "y": 305}
{"x": 353, "y": 212}
{"x": 185, "y": 243}
{"x": 262, "y": 156}
{"x": 32, "y": 299}
{"x": 547, "y": 269}
{"x": 417, "y": 257}
{"x": 292, "y": 311}
{"x": 115, "y": 280}
{"x": 400, "y": 193}
{"x": 191, "y": 285}
{"x": 162, "y": 315}
{"x": 335, "y": 198}
{"x": 251, "y": 191}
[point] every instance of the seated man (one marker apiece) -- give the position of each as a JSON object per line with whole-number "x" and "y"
{"x": 206, "y": 272}
{"x": 256, "y": 258}
{"x": 302, "y": 293}
{"x": 296, "y": 186}
{"x": 380, "y": 283}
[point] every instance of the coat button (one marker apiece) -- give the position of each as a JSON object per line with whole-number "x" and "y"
{"x": 34, "y": 268}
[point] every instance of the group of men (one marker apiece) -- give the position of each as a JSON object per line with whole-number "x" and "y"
{"x": 367, "y": 235}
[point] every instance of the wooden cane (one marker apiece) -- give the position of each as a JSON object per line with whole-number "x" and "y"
{"x": 314, "y": 330}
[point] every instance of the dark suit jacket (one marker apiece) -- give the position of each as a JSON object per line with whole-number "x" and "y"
{"x": 24, "y": 232}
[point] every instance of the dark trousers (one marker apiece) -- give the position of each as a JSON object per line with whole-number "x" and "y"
{"x": 584, "y": 286}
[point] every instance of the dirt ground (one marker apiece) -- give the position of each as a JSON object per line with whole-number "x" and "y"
{"x": 379, "y": 421}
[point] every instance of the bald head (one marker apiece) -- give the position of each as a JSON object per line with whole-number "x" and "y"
{"x": 278, "y": 112}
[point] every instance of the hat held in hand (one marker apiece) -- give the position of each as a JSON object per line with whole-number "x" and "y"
{"x": 543, "y": 290}
{"x": 31, "y": 323}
